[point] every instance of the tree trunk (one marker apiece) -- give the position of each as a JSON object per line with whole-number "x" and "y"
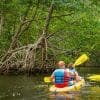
{"x": 1, "y": 23}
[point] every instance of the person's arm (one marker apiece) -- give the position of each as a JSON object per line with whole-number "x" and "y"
{"x": 76, "y": 73}
{"x": 68, "y": 72}
{"x": 77, "y": 77}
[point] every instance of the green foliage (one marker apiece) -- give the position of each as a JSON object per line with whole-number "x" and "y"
{"x": 78, "y": 31}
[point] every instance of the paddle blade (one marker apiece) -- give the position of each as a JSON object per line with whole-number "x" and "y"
{"x": 47, "y": 79}
{"x": 81, "y": 60}
{"x": 94, "y": 77}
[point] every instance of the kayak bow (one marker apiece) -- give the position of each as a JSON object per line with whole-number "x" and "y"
{"x": 74, "y": 87}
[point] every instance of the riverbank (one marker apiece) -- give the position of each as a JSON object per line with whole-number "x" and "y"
{"x": 39, "y": 70}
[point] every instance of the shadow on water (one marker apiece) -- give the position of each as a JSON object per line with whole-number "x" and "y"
{"x": 33, "y": 88}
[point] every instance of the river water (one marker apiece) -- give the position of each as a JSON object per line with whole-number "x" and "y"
{"x": 23, "y": 87}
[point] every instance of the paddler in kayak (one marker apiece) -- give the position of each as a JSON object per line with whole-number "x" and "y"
{"x": 74, "y": 77}
{"x": 61, "y": 76}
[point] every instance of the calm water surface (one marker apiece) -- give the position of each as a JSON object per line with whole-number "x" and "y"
{"x": 23, "y": 87}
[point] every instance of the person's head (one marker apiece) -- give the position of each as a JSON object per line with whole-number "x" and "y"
{"x": 61, "y": 64}
{"x": 70, "y": 65}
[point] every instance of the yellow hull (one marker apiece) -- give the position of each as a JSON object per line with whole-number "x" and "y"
{"x": 74, "y": 87}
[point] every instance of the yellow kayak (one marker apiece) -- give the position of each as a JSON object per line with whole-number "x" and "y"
{"x": 74, "y": 87}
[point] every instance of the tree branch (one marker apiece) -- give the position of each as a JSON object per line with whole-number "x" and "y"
{"x": 48, "y": 19}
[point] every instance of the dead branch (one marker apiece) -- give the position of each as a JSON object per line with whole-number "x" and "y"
{"x": 20, "y": 30}
{"x": 31, "y": 49}
{"x": 48, "y": 19}
{"x": 45, "y": 32}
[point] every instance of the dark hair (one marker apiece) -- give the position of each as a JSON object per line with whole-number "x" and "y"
{"x": 70, "y": 64}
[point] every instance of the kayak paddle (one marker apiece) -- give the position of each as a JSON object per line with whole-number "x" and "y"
{"x": 47, "y": 79}
{"x": 94, "y": 78}
{"x": 79, "y": 61}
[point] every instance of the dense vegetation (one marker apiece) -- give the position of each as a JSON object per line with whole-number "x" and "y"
{"x": 71, "y": 28}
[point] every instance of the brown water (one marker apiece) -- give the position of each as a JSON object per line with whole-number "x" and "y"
{"x": 33, "y": 88}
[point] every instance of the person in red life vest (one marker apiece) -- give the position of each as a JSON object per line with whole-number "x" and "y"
{"x": 60, "y": 76}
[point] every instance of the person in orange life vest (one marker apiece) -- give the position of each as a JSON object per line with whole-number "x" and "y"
{"x": 60, "y": 76}
{"x": 73, "y": 73}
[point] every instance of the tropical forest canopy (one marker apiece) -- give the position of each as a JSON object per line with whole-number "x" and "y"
{"x": 71, "y": 28}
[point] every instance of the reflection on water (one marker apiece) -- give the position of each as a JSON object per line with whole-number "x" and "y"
{"x": 86, "y": 93}
{"x": 65, "y": 96}
{"x": 33, "y": 88}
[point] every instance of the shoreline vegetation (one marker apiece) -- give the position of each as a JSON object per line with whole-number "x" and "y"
{"x": 36, "y": 34}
